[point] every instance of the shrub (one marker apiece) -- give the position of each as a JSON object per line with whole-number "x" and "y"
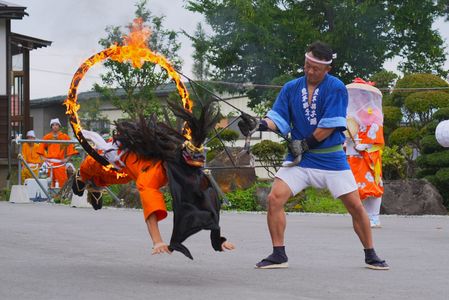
{"x": 4, "y": 194}
{"x": 321, "y": 201}
{"x": 310, "y": 200}
{"x": 416, "y": 80}
{"x": 229, "y": 135}
{"x": 215, "y": 145}
{"x": 440, "y": 181}
{"x": 429, "y": 144}
{"x": 270, "y": 155}
{"x": 404, "y": 135}
{"x": 393, "y": 163}
{"x": 434, "y": 160}
{"x": 421, "y": 106}
{"x": 429, "y": 128}
{"x": 244, "y": 200}
{"x": 441, "y": 114}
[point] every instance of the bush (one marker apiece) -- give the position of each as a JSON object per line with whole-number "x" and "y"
{"x": 441, "y": 114}
{"x": 108, "y": 200}
{"x": 393, "y": 163}
{"x": 421, "y": 102}
{"x": 415, "y": 81}
{"x": 215, "y": 146}
{"x": 420, "y": 107}
{"x": 392, "y": 116}
{"x": 4, "y": 194}
{"x": 404, "y": 135}
{"x": 440, "y": 181}
{"x": 429, "y": 144}
{"x": 244, "y": 200}
{"x": 270, "y": 155}
{"x": 321, "y": 201}
{"x": 311, "y": 200}
{"x": 229, "y": 135}
{"x": 429, "y": 128}
{"x": 434, "y": 160}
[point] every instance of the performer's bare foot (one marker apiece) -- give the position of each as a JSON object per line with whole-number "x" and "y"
{"x": 227, "y": 246}
{"x": 160, "y": 248}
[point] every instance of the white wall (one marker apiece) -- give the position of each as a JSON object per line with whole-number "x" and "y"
{"x": 3, "y": 59}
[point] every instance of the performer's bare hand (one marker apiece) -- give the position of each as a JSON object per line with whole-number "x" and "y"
{"x": 227, "y": 246}
{"x": 160, "y": 248}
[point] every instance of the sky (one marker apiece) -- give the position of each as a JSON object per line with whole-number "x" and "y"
{"x": 75, "y": 27}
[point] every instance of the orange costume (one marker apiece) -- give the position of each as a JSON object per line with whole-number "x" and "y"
{"x": 30, "y": 155}
{"x": 367, "y": 165}
{"x": 55, "y": 155}
{"x": 149, "y": 177}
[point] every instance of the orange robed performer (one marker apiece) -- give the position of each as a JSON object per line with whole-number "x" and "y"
{"x": 30, "y": 155}
{"x": 57, "y": 155}
{"x": 149, "y": 177}
{"x": 151, "y": 154}
{"x": 365, "y": 144}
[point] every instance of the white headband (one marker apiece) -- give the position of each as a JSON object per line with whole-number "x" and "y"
{"x": 55, "y": 121}
{"x": 31, "y": 133}
{"x": 318, "y": 61}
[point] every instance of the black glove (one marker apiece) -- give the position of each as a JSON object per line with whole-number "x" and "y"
{"x": 298, "y": 147}
{"x": 247, "y": 124}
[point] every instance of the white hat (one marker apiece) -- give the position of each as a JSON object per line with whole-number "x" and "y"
{"x": 31, "y": 133}
{"x": 55, "y": 121}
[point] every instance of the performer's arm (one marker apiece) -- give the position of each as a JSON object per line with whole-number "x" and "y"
{"x": 158, "y": 244}
{"x": 220, "y": 243}
{"x": 270, "y": 124}
{"x": 320, "y": 134}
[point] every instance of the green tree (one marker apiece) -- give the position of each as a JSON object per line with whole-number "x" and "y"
{"x": 434, "y": 159}
{"x": 384, "y": 79}
{"x": 420, "y": 46}
{"x": 410, "y": 120}
{"x": 412, "y": 83}
{"x": 270, "y": 154}
{"x": 201, "y": 46}
{"x": 258, "y": 40}
{"x": 132, "y": 89}
{"x": 91, "y": 114}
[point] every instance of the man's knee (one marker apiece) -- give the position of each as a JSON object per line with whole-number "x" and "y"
{"x": 276, "y": 201}
{"x": 353, "y": 203}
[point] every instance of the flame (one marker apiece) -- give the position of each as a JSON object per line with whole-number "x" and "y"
{"x": 135, "y": 51}
{"x": 109, "y": 168}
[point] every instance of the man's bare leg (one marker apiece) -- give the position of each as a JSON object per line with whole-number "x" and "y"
{"x": 280, "y": 192}
{"x": 362, "y": 227}
{"x": 360, "y": 219}
{"x": 279, "y": 195}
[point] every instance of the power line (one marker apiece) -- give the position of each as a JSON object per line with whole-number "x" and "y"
{"x": 60, "y": 73}
{"x": 250, "y": 85}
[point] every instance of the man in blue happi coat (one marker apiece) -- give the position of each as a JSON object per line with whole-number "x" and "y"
{"x": 313, "y": 109}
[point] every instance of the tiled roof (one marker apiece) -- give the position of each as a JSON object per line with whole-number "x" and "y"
{"x": 11, "y": 11}
{"x": 162, "y": 90}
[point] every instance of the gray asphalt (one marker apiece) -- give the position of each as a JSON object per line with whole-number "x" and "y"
{"x": 50, "y": 251}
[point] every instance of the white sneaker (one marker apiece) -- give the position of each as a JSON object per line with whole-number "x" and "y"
{"x": 375, "y": 222}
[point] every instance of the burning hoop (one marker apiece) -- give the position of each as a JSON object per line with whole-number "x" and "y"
{"x": 134, "y": 50}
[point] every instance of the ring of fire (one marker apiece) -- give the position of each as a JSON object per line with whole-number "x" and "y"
{"x": 136, "y": 52}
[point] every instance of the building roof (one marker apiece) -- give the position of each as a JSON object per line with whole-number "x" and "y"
{"x": 11, "y": 11}
{"x": 20, "y": 41}
{"x": 161, "y": 91}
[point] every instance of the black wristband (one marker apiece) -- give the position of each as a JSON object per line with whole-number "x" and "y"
{"x": 312, "y": 142}
{"x": 263, "y": 125}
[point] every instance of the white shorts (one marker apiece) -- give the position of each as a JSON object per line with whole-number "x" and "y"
{"x": 337, "y": 182}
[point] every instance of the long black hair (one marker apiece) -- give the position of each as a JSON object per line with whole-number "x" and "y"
{"x": 155, "y": 140}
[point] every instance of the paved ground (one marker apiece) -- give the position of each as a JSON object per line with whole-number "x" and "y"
{"x": 58, "y": 252}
